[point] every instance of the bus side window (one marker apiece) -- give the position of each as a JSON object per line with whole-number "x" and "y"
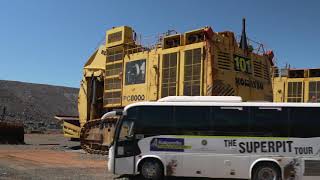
{"x": 269, "y": 122}
{"x": 155, "y": 120}
{"x": 230, "y": 120}
{"x": 132, "y": 113}
{"x": 304, "y": 122}
{"x": 192, "y": 120}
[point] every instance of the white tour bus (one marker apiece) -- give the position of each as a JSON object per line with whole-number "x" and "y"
{"x": 217, "y": 137}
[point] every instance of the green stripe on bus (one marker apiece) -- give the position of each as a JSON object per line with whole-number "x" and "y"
{"x": 231, "y": 137}
{"x": 162, "y": 146}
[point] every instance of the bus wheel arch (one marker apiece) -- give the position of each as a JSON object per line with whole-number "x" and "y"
{"x": 262, "y": 165}
{"x": 152, "y": 160}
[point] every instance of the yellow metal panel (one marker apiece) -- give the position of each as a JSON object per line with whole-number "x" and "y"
{"x": 198, "y": 32}
{"x": 306, "y": 90}
{"x": 97, "y": 61}
{"x": 172, "y": 41}
{"x": 126, "y": 36}
{"x": 152, "y": 75}
{"x": 177, "y": 50}
{"x": 112, "y": 90}
{"x": 135, "y": 92}
{"x": 182, "y": 63}
{"x": 280, "y": 87}
{"x": 114, "y": 105}
{"x": 244, "y": 84}
{"x": 83, "y": 102}
{"x": 224, "y": 80}
{"x": 120, "y": 59}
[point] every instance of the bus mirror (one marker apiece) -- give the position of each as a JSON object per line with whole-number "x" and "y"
{"x": 139, "y": 136}
{"x": 119, "y": 113}
{"x": 129, "y": 137}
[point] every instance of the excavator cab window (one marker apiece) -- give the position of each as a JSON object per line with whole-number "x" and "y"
{"x": 135, "y": 72}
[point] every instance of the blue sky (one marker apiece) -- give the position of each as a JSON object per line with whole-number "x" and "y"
{"x": 48, "y": 41}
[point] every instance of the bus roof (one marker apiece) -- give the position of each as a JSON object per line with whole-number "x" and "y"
{"x": 194, "y": 103}
{"x": 201, "y": 99}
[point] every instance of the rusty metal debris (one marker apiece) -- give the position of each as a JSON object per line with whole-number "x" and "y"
{"x": 11, "y": 133}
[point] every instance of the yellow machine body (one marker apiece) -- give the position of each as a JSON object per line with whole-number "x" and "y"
{"x": 297, "y": 85}
{"x": 94, "y": 67}
{"x": 183, "y": 70}
{"x": 195, "y": 63}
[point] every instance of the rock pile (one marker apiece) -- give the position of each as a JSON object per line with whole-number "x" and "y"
{"x": 35, "y": 105}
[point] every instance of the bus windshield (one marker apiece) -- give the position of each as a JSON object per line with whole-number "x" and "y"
{"x": 126, "y": 130}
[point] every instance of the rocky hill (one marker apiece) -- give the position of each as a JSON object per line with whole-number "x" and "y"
{"x": 35, "y": 105}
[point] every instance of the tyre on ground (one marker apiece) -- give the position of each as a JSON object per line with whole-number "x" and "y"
{"x": 152, "y": 169}
{"x": 266, "y": 171}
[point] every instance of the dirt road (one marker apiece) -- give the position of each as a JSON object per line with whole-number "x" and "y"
{"x": 50, "y": 157}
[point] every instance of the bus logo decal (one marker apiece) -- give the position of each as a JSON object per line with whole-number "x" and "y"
{"x": 168, "y": 144}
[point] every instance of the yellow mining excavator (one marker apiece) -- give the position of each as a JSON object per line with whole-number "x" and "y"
{"x": 194, "y": 63}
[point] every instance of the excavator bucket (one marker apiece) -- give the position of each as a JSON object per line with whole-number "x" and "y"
{"x": 70, "y": 126}
{"x": 11, "y": 133}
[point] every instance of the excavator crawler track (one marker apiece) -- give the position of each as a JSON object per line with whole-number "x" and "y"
{"x": 96, "y": 135}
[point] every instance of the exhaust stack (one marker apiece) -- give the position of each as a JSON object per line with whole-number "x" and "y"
{"x": 243, "y": 41}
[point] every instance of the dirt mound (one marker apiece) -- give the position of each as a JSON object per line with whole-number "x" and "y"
{"x": 35, "y": 105}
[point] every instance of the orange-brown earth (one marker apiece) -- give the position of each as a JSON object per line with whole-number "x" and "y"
{"x": 50, "y": 156}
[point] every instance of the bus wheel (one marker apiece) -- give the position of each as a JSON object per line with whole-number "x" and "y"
{"x": 266, "y": 171}
{"x": 152, "y": 169}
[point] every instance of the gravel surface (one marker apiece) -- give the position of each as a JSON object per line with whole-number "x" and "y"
{"x": 50, "y": 156}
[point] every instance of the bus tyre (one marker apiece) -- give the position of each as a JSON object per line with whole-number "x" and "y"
{"x": 266, "y": 171}
{"x": 152, "y": 169}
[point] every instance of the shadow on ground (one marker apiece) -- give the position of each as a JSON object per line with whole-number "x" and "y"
{"x": 75, "y": 147}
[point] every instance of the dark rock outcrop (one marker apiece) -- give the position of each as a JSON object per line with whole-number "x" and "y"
{"x": 35, "y": 105}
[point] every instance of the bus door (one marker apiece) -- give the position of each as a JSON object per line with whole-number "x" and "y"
{"x": 126, "y": 148}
